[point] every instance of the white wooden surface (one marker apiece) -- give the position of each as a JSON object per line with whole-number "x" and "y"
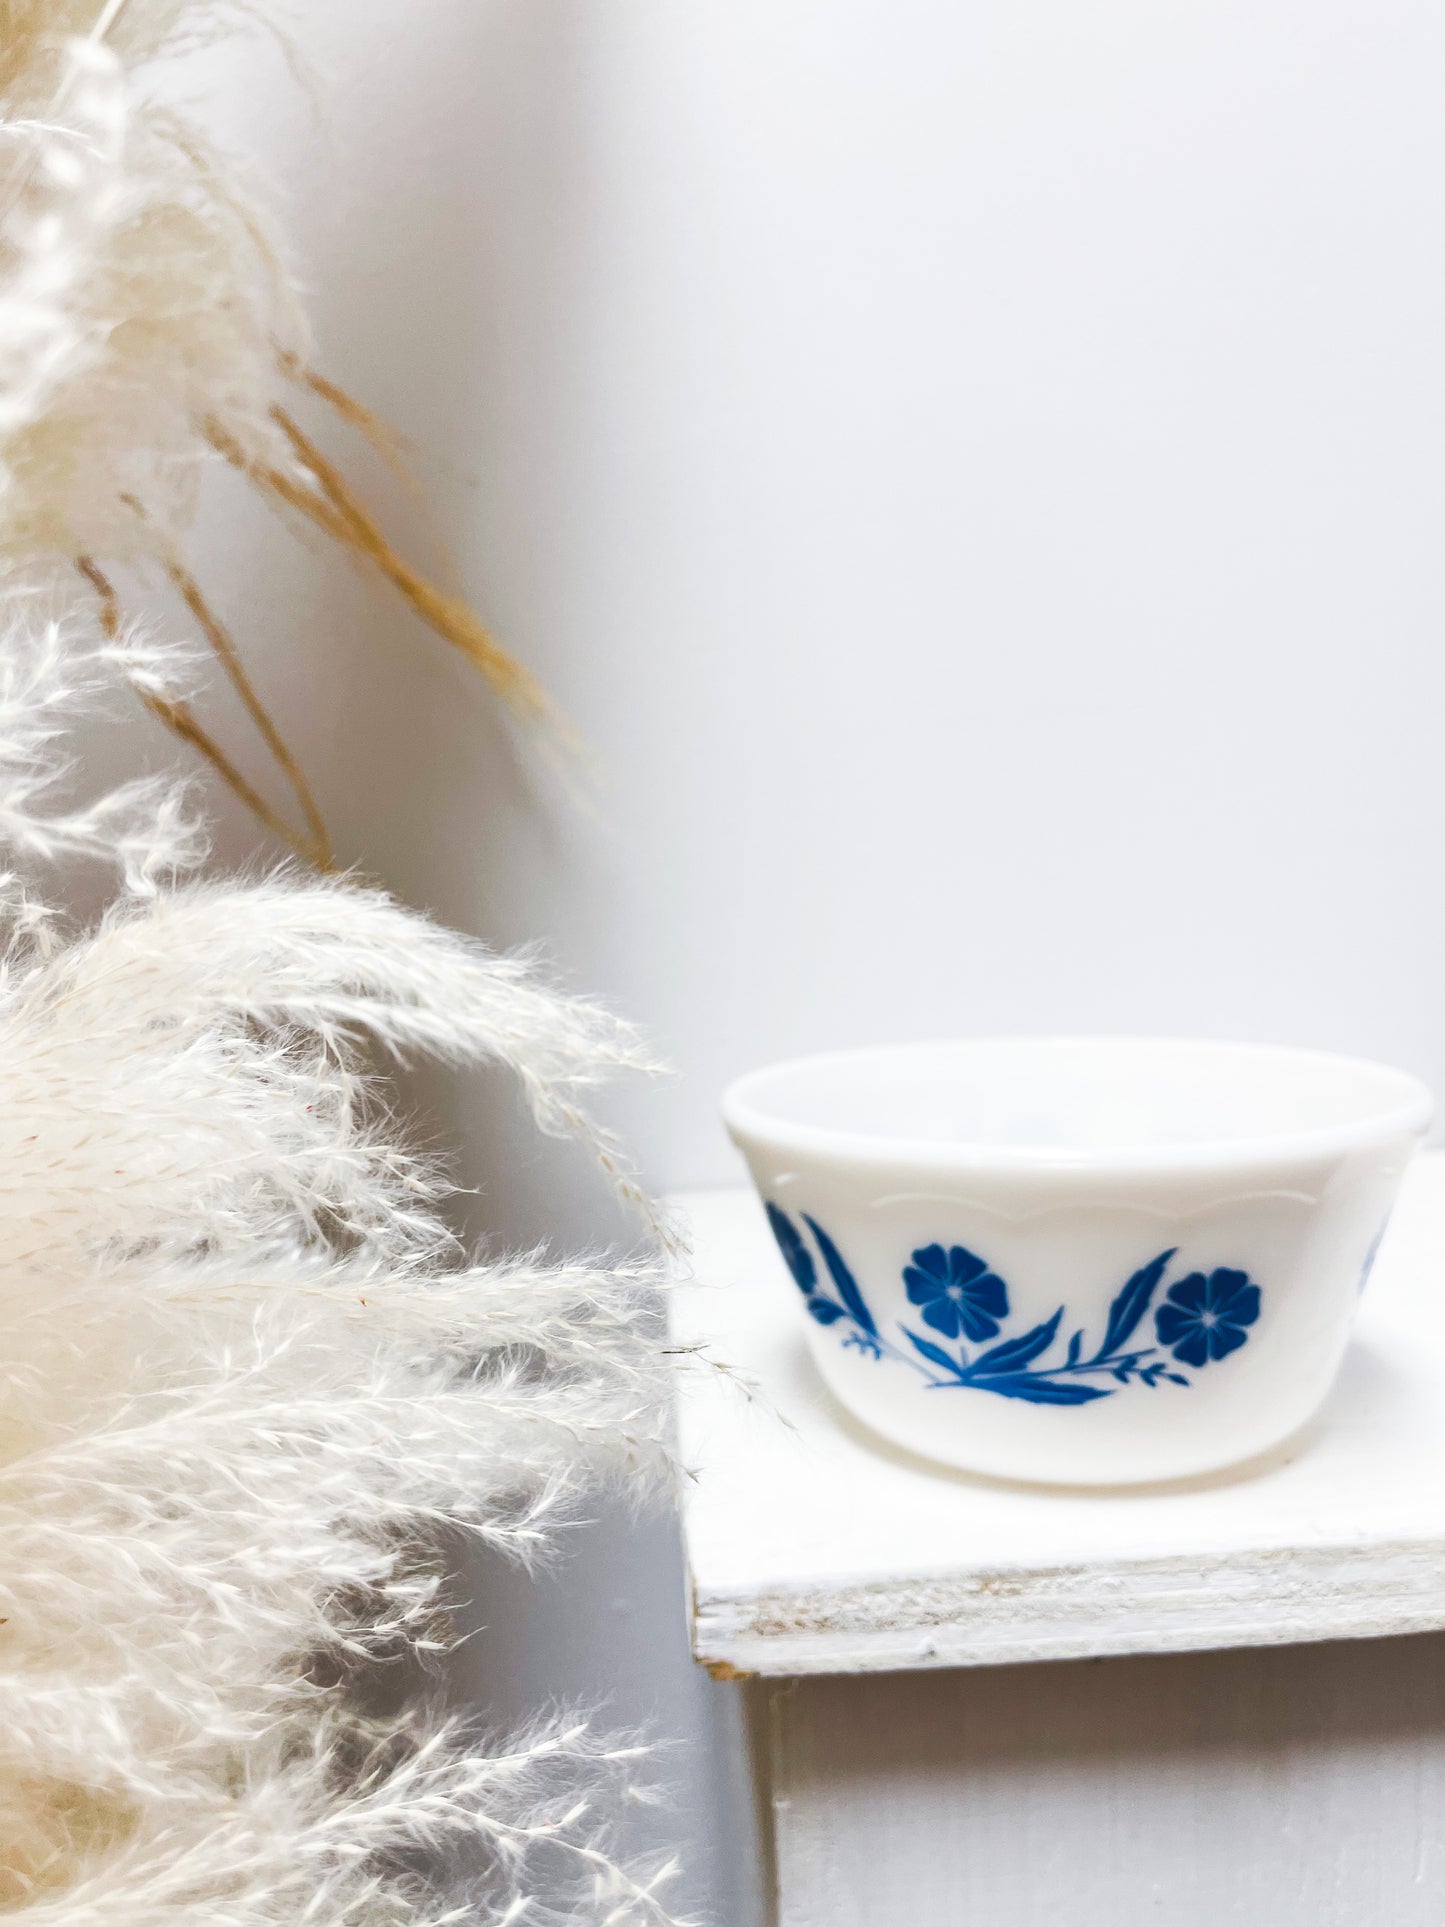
{"x": 813, "y": 1548}
{"x": 1294, "y": 1787}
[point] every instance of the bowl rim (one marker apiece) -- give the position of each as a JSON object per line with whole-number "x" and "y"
{"x": 1411, "y": 1115}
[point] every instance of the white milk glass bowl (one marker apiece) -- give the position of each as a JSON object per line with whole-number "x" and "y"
{"x": 1079, "y": 1260}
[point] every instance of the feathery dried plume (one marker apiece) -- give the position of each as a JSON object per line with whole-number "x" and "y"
{"x": 248, "y": 1383}
{"x": 150, "y": 335}
{"x": 132, "y": 254}
{"x": 149, "y": 826}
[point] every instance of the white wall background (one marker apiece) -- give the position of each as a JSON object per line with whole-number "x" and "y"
{"x": 974, "y": 472}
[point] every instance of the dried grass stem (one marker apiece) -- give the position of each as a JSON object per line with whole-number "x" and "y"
{"x": 180, "y": 719}
{"x": 331, "y": 506}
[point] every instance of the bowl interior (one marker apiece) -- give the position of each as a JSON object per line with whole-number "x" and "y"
{"x": 1075, "y": 1095}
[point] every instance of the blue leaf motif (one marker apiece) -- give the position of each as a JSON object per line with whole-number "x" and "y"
{"x": 1369, "y": 1263}
{"x": 843, "y": 1278}
{"x": 935, "y": 1354}
{"x": 1014, "y": 1353}
{"x": 1132, "y": 1303}
{"x": 1041, "y": 1391}
{"x": 796, "y": 1255}
{"x": 825, "y": 1311}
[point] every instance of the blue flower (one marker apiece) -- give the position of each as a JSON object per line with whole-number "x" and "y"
{"x": 956, "y": 1290}
{"x": 796, "y": 1255}
{"x": 1205, "y": 1317}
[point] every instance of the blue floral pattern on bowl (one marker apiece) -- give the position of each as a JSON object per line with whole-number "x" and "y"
{"x": 1202, "y": 1318}
{"x": 1206, "y": 1316}
{"x": 956, "y": 1292}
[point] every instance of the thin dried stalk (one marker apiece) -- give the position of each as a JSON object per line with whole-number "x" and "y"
{"x": 225, "y": 651}
{"x": 108, "y": 16}
{"x": 381, "y": 435}
{"x": 332, "y": 507}
{"x": 393, "y": 449}
{"x": 180, "y": 719}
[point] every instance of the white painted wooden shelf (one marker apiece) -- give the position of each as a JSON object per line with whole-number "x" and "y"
{"x": 814, "y": 1548}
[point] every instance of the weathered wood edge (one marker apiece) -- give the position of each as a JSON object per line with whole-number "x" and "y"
{"x": 1182, "y": 1603}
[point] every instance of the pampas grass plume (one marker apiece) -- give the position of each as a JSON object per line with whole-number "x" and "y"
{"x": 249, "y": 1383}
